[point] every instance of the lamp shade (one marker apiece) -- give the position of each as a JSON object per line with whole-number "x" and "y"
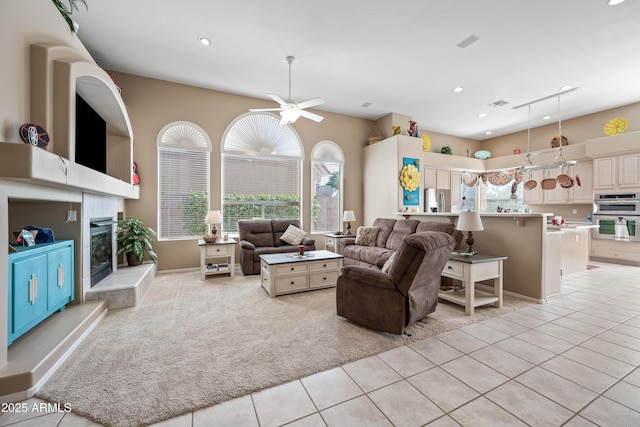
{"x": 469, "y": 221}
{"x": 213, "y": 217}
{"x": 348, "y": 216}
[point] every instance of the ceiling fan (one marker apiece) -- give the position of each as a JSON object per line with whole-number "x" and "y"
{"x": 289, "y": 110}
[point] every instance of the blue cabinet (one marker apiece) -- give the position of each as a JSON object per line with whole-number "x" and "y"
{"x": 40, "y": 283}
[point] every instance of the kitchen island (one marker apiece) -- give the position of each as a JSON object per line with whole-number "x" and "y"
{"x": 531, "y": 270}
{"x": 575, "y": 239}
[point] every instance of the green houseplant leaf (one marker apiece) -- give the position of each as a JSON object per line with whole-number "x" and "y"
{"x": 135, "y": 238}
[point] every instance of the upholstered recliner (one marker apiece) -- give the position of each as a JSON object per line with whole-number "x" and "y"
{"x": 262, "y": 236}
{"x": 392, "y": 301}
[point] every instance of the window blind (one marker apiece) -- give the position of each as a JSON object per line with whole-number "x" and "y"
{"x": 326, "y": 196}
{"x": 256, "y": 187}
{"x": 183, "y": 179}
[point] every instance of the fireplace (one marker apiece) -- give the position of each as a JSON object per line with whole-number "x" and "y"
{"x": 101, "y": 230}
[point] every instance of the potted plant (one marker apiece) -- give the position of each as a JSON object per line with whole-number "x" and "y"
{"x": 135, "y": 240}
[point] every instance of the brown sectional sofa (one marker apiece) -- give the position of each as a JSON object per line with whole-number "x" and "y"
{"x": 262, "y": 236}
{"x": 390, "y": 236}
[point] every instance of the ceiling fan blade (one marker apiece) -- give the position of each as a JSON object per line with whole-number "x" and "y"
{"x": 311, "y": 103}
{"x": 276, "y": 98}
{"x": 264, "y": 109}
{"x": 312, "y": 116}
{"x": 283, "y": 121}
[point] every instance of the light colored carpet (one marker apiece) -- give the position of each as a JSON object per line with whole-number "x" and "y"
{"x": 192, "y": 344}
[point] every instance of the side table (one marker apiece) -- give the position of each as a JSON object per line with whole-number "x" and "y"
{"x": 332, "y": 241}
{"x": 220, "y": 249}
{"x": 470, "y": 270}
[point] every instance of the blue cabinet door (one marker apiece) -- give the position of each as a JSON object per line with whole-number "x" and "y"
{"x": 60, "y": 277}
{"x": 29, "y": 291}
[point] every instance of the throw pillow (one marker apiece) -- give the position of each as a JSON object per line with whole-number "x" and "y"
{"x": 293, "y": 235}
{"x": 367, "y": 236}
{"x": 388, "y": 263}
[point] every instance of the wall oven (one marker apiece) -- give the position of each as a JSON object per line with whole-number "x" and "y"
{"x": 618, "y": 217}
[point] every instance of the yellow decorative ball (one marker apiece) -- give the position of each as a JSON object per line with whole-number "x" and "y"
{"x": 426, "y": 143}
{"x": 616, "y": 126}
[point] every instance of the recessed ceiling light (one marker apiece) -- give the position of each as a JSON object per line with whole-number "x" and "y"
{"x": 489, "y": 133}
{"x": 614, "y": 2}
{"x": 546, "y": 117}
{"x": 205, "y": 41}
{"x": 566, "y": 87}
{"x": 458, "y": 89}
{"x": 481, "y": 115}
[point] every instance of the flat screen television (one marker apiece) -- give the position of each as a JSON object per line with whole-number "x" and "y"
{"x": 91, "y": 137}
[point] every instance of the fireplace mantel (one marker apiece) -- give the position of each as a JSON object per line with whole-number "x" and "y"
{"x": 34, "y": 165}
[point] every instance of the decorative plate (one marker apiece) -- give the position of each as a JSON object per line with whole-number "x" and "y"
{"x": 482, "y": 154}
{"x": 34, "y": 134}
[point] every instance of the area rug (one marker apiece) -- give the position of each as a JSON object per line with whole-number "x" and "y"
{"x": 191, "y": 344}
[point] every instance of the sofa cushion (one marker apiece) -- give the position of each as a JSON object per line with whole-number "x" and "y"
{"x": 256, "y": 231}
{"x": 401, "y": 229}
{"x": 367, "y": 236}
{"x": 293, "y": 235}
{"x": 370, "y": 255}
{"x": 445, "y": 227}
{"x": 279, "y": 226}
{"x": 387, "y": 265}
{"x": 386, "y": 225}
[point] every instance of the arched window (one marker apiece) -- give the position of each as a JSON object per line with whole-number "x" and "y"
{"x": 326, "y": 187}
{"x": 183, "y": 180}
{"x": 261, "y": 170}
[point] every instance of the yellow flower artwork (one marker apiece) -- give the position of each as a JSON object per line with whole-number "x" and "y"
{"x": 426, "y": 143}
{"x": 616, "y": 126}
{"x": 410, "y": 178}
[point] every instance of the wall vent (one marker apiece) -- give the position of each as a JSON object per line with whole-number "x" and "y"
{"x": 468, "y": 41}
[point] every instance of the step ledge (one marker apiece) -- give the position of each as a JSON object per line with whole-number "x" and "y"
{"x": 125, "y": 287}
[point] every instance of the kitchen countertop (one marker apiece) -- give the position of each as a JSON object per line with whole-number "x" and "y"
{"x": 488, "y": 214}
{"x": 571, "y": 226}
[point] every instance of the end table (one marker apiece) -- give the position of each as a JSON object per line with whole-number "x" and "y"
{"x": 219, "y": 249}
{"x": 332, "y": 241}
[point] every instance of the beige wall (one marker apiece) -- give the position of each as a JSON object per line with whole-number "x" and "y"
{"x": 154, "y": 103}
{"x": 577, "y": 130}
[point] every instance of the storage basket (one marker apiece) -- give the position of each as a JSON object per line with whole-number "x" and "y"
{"x": 375, "y": 135}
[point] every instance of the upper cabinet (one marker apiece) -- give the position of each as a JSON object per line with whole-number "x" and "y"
{"x": 580, "y": 193}
{"x": 617, "y": 172}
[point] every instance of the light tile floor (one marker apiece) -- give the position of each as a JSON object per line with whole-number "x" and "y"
{"x": 573, "y": 361}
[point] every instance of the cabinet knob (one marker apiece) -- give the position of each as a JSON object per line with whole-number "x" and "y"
{"x": 292, "y": 268}
{"x": 324, "y": 265}
{"x": 449, "y": 267}
{"x": 292, "y": 282}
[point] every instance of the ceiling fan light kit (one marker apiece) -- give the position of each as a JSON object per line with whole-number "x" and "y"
{"x": 289, "y": 110}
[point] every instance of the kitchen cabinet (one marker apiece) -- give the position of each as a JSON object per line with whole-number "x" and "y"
{"x": 429, "y": 178}
{"x": 617, "y": 172}
{"x": 437, "y": 178}
{"x": 578, "y": 194}
{"x": 40, "y": 283}
{"x": 535, "y": 195}
{"x": 629, "y": 171}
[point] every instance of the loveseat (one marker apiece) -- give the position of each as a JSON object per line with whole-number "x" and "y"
{"x": 389, "y": 233}
{"x": 263, "y": 236}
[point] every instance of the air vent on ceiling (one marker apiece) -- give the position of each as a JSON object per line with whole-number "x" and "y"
{"x": 367, "y": 105}
{"x": 499, "y": 103}
{"x": 468, "y": 41}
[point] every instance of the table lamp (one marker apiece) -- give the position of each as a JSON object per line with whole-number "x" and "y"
{"x": 469, "y": 221}
{"x": 213, "y": 218}
{"x": 347, "y": 217}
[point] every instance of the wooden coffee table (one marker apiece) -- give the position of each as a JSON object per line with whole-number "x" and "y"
{"x": 288, "y": 273}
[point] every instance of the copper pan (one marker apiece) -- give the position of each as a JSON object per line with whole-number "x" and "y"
{"x": 548, "y": 183}
{"x": 531, "y": 183}
{"x": 563, "y": 179}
